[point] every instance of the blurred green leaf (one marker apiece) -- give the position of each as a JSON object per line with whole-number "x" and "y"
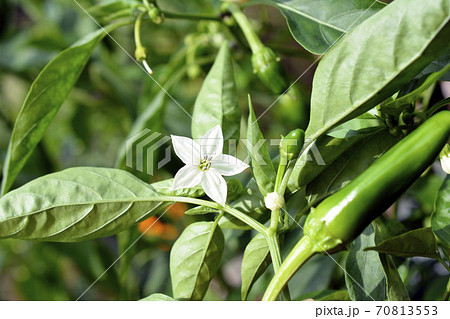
{"x": 44, "y": 99}
{"x": 255, "y": 261}
{"x": 76, "y": 204}
{"x": 194, "y": 260}
{"x": 367, "y": 66}
{"x": 217, "y": 101}
{"x": 440, "y": 220}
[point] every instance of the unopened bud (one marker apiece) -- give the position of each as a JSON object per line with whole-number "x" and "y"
{"x": 291, "y": 144}
{"x": 266, "y": 64}
{"x": 445, "y": 158}
{"x": 274, "y": 201}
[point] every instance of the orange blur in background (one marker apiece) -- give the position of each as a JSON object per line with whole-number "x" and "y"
{"x": 154, "y": 227}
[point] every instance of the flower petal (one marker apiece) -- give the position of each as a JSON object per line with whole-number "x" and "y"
{"x": 186, "y": 149}
{"x": 228, "y": 165}
{"x": 215, "y": 186}
{"x": 211, "y": 143}
{"x": 188, "y": 176}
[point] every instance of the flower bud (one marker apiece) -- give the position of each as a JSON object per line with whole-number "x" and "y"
{"x": 445, "y": 158}
{"x": 155, "y": 14}
{"x": 274, "y": 201}
{"x": 291, "y": 144}
{"x": 266, "y": 64}
{"x": 140, "y": 53}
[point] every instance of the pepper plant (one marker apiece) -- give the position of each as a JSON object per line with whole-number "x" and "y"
{"x": 346, "y": 159}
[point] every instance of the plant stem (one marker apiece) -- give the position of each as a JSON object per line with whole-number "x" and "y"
{"x": 201, "y": 202}
{"x": 275, "y": 254}
{"x": 137, "y": 30}
{"x": 250, "y": 34}
{"x": 304, "y": 250}
{"x": 447, "y": 292}
{"x": 285, "y": 180}
{"x": 188, "y": 16}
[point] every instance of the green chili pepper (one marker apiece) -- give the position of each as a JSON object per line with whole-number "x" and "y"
{"x": 340, "y": 218}
{"x": 291, "y": 144}
{"x": 266, "y": 64}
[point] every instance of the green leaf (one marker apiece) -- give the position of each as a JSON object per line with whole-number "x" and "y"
{"x": 349, "y": 165}
{"x": 217, "y": 101}
{"x": 255, "y": 261}
{"x": 440, "y": 220}
{"x": 418, "y": 242}
{"x": 364, "y": 275}
{"x": 77, "y": 204}
{"x": 395, "y": 288}
{"x": 367, "y": 66}
{"x": 147, "y": 127}
{"x": 250, "y": 203}
{"x": 194, "y": 260}
{"x": 395, "y": 107}
{"x": 200, "y": 210}
{"x": 326, "y": 295}
{"x": 327, "y": 148}
{"x": 46, "y": 95}
{"x": 437, "y": 65}
{"x": 158, "y": 297}
{"x": 262, "y": 166}
{"x": 317, "y": 25}
{"x": 164, "y": 187}
{"x": 107, "y": 11}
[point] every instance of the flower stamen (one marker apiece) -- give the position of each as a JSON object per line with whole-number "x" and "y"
{"x": 205, "y": 163}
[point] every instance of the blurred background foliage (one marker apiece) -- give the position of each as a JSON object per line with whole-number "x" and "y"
{"x": 96, "y": 118}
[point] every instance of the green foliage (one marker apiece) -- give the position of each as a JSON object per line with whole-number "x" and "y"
{"x": 77, "y": 204}
{"x": 325, "y": 21}
{"x": 360, "y": 71}
{"x": 43, "y": 101}
{"x": 349, "y": 165}
{"x": 255, "y": 261}
{"x": 216, "y": 102}
{"x": 418, "y": 242}
{"x": 440, "y": 220}
{"x": 85, "y": 111}
{"x": 195, "y": 259}
{"x": 157, "y": 297}
{"x": 262, "y": 166}
{"x": 329, "y": 147}
{"x": 364, "y": 272}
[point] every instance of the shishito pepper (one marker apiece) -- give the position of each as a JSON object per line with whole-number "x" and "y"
{"x": 340, "y": 218}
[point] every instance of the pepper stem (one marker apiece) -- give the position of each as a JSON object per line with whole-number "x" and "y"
{"x": 304, "y": 250}
{"x": 252, "y": 38}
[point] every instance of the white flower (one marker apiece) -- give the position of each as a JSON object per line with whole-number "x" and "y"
{"x": 445, "y": 159}
{"x": 205, "y": 164}
{"x": 274, "y": 201}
